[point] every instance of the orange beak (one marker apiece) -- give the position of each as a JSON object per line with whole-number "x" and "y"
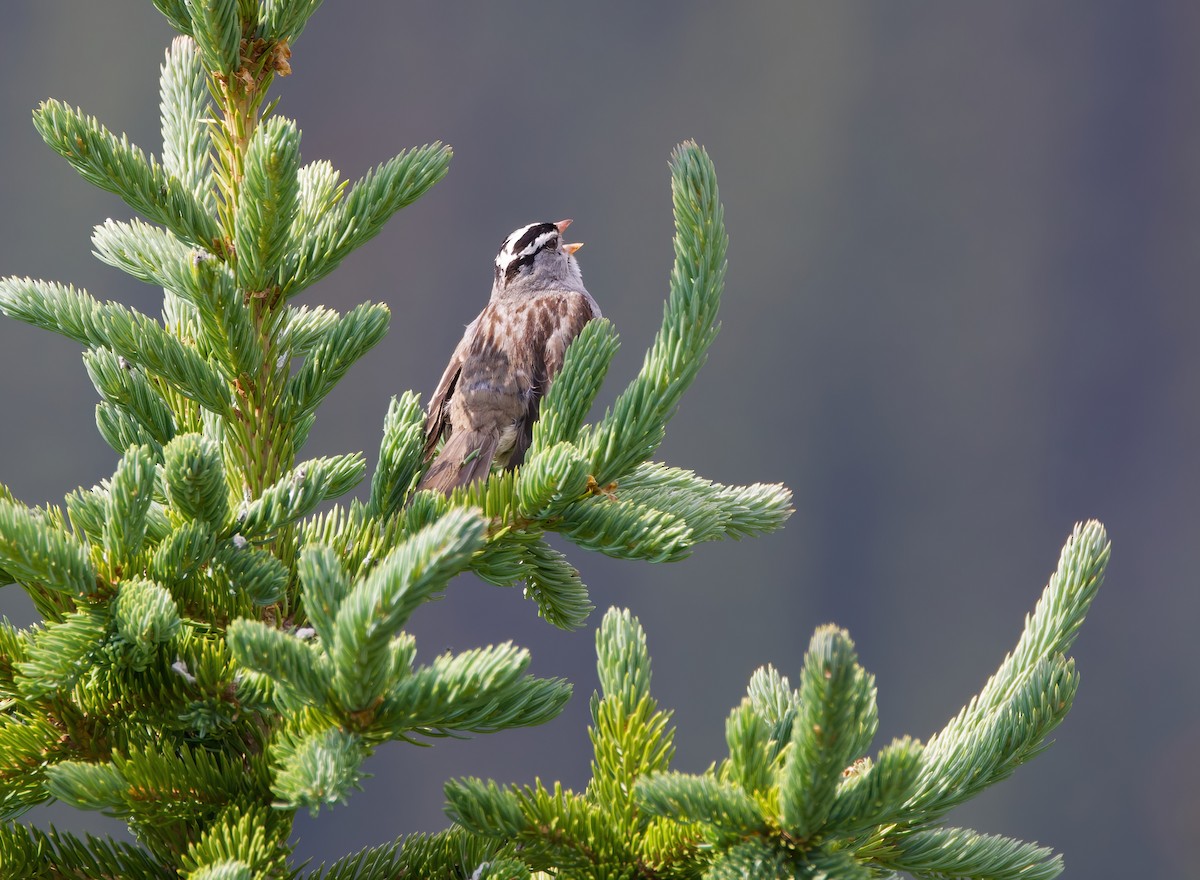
{"x": 562, "y": 225}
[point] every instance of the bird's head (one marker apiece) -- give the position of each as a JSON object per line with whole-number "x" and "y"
{"x": 534, "y": 257}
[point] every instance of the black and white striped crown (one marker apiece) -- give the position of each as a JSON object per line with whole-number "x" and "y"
{"x": 522, "y": 247}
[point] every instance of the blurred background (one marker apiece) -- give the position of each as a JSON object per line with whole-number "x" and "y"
{"x": 960, "y": 316}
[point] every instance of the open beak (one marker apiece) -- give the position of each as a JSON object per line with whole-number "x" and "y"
{"x": 561, "y": 226}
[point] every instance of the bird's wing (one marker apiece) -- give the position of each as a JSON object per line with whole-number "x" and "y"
{"x": 564, "y": 317}
{"x": 439, "y": 404}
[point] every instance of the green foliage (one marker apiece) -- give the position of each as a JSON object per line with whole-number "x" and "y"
{"x": 145, "y": 615}
{"x": 554, "y": 584}
{"x": 183, "y": 85}
{"x": 399, "y": 456}
{"x": 835, "y": 722}
{"x": 299, "y": 491}
{"x": 283, "y": 20}
{"x": 30, "y": 852}
{"x": 37, "y": 554}
{"x": 118, "y": 166}
{"x": 797, "y": 795}
{"x": 344, "y": 342}
{"x": 194, "y": 476}
{"x": 133, "y": 336}
{"x": 177, "y": 14}
{"x": 129, "y": 392}
{"x": 129, "y": 500}
{"x": 602, "y": 832}
{"x": 357, "y": 218}
{"x": 267, "y": 201}
{"x": 218, "y": 32}
{"x": 633, "y": 429}
{"x": 450, "y": 854}
{"x": 217, "y": 651}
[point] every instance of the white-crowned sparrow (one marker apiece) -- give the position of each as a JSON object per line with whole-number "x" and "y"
{"x": 489, "y": 396}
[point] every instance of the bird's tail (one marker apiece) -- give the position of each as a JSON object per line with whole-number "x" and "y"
{"x": 466, "y": 457}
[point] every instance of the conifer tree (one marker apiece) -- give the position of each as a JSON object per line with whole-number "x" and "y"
{"x": 215, "y": 654}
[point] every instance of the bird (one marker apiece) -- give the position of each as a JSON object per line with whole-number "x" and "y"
{"x": 489, "y": 396}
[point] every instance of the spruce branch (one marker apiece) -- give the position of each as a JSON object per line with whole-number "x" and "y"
{"x": 625, "y": 530}
{"x": 181, "y": 554}
{"x": 58, "y": 855}
{"x": 127, "y": 390}
{"x": 184, "y": 113}
{"x": 796, "y": 795}
{"x": 960, "y": 852}
{"x": 324, "y": 583}
{"x": 267, "y": 201}
{"x": 399, "y": 456}
{"x": 1028, "y": 695}
{"x": 157, "y": 791}
{"x": 873, "y": 793}
{"x": 216, "y": 27}
{"x": 145, "y": 615}
{"x": 298, "y": 492}
{"x": 14, "y": 648}
{"x": 256, "y": 575}
{"x": 835, "y": 723}
{"x": 304, "y": 328}
{"x": 284, "y": 20}
{"x": 450, "y": 853}
{"x": 61, "y": 650}
{"x": 253, "y": 840}
{"x": 482, "y": 690}
{"x": 713, "y": 511}
{"x": 322, "y": 769}
{"x": 130, "y": 496}
{"x": 121, "y": 430}
{"x": 554, "y": 584}
{"x": 225, "y": 332}
{"x": 703, "y": 799}
{"x": 386, "y": 598}
{"x": 359, "y": 217}
{"x": 603, "y": 828}
{"x": 177, "y": 14}
{"x": 284, "y": 658}
{"x": 115, "y": 165}
{"x": 194, "y": 478}
{"x": 361, "y": 671}
{"x": 753, "y": 750}
{"x": 320, "y": 190}
{"x": 633, "y": 429}
{"x": 772, "y": 698}
{"x": 132, "y": 335}
{"x": 550, "y": 481}
{"x": 148, "y": 253}
{"x": 343, "y": 343}
{"x": 796, "y": 756}
{"x": 27, "y": 742}
{"x": 752, "y": 858}
{"x": 38, "y": 555}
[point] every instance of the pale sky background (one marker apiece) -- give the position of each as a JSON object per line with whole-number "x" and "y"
{"x": 961, "y": 315}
